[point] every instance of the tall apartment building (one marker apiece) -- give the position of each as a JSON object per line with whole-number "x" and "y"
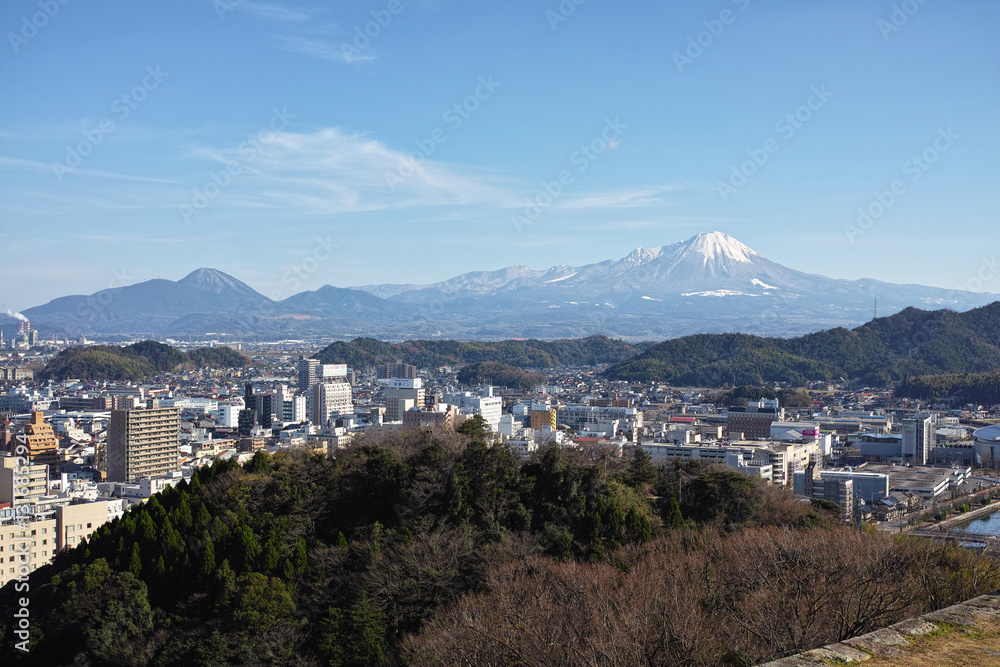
{"x": 395, "y": 371}
{"x": 142, "y": 443}
{"x": 229, "y": 413}
{"x": 541, "y": 417}
{"x": 290, "y": 408}
{"x": 31, "y": 484}
{"x": 397, "y": 392}
{"x": 330, "y": 399}
{"x": 307, "y": 373}
{"x": 41, "y": 440}
{"x": 918, "y": 439}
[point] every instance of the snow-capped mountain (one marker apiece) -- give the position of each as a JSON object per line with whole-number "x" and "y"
{"x": 708, "y": 283}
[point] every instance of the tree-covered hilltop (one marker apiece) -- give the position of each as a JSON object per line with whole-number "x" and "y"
{"x": 363, "y": 353}
{"x": 421, "y": 547}
{"x": 501, "y": 375}
{"x": 787, "y": 398}
{"x": 136, "y": 361}
{"x": 977, "y": 388}
{"x": 218, "y": 357}
{"x": 889, "y": 349}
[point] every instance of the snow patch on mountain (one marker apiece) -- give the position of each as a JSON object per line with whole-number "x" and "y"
{"x": 556, "y": 280}
{"x": 718, "y": 292}
{"x": 761, "y": 283}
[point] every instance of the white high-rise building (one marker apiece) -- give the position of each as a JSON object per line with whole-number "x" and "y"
{"x": 329, "y": 400}
{"x": 229, "y": 414}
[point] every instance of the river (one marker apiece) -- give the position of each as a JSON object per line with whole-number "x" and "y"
{"x": 987, "y": 525}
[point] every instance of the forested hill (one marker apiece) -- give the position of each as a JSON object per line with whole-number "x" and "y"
{"x": 910, "y": 343}
{"x": 435, "y": 548}
{"x": 136, "y": 361}
{"x": 362, "y": 353}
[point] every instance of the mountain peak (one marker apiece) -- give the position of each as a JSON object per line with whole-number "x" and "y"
{"x": 718, "y": 245}
{"x": 642, "y": 255}
{"x": 216, "y": 282}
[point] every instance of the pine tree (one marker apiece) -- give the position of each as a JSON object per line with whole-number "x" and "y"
{"x": 135, "y": 562}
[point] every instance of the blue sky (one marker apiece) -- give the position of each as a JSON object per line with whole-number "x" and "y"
{"x": 580, "y": 132}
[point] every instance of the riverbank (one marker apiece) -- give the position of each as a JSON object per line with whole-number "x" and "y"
{"x": 977, "y": 513}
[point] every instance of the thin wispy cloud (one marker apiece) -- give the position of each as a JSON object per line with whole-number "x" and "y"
{"x": 304, "y": 31}
{"x": 280, "y": 13}
{"x": 634, "y": 198}
{"x": 337, "y": 171}
{"x": 324, "y": 49}
{"x": 31, "y": 165}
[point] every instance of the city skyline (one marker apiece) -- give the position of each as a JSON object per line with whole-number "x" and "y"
{"x": 248, "y": 136}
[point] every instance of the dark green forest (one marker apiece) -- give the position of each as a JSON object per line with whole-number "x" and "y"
{"x": 433, "y": 548}
{"x": 363, "y": 353}
{"x": 966, "y": 387}
{"x": 910, "y": 343}
{"x": 136, "y": 361}
{"x": 501, "y": 375}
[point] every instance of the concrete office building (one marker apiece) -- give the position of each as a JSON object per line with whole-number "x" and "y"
{"x": 754, "y": 421}
{"x": 868, "y": 486}
{"x": 397, "y": 392}
{"x": 486, "y": 405}
{"x": 78, "y": 522}
{"x": 142, "y": 443}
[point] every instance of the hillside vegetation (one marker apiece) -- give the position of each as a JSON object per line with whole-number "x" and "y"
{"x": 363, "y": 353}
{"x": 501, "y": 375}
{"x": 136, "y": 361}
{"x": 428, "y": 548}
{"x": 889, "y": 349}
{"x": 968, "y": 387}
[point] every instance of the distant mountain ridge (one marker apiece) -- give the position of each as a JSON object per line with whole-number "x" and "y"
{"x": 710, "y": 283}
